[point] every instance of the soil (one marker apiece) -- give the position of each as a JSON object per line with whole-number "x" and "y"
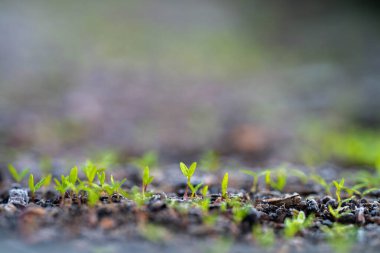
{"x": 166, "y": 220}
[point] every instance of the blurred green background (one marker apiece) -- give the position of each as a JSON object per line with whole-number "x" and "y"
{"x": 266, "y": 79}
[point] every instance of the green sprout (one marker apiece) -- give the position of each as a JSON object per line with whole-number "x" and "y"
{"x": 73, "y": 176}
{"x": 61, "y": 187}
{"x": 92, "y": 196}
{"x": 18, "y": 177}
{"x": 239, "y": 212}
{"x": 224, "y": 186}
{"x": 297, "y": 224}
{"x": 281, "y": 177}
{"x": 35, "y": 187}
{"x": 338, "y": 188}
{"x": 115, "y": 187}
{"x": 194, "y": 189}
{"x": 75, "y": 189}
{"x": 188, "y": 172}
{"x": 90, "y": 170}
{"x": 255, "y": 176}
{"x": 204, "y": 191}
{"x": 48, "y": 178}
{"x": 205, "y": 204}
{"x": 146, "y": 180}
{"x": 267, "y": 174}
{"x": 337, "y": 213}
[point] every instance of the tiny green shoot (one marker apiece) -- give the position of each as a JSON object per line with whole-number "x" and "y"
{"x": 146, "y": 180}
{"x": 18, "y": 177}
{"x": 255, "y": 176}
{"x": 194, "y": 189}
{"x": 188, "y": 172}
{"x": 338, "y": 188}
{"x": 297, "y": 224}
{"x": 224, "y": 186}
{"x": 35, "y": 187}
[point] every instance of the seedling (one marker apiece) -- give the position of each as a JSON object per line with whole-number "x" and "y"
{"x": 92, "y": 197}
{"x": 34, "y": 187}
{"x": 146, "y": 180}
{"x": 281, "y": 177}
{"x": 225, "y": 186}
{"x": 75, "y": 189}
{"x": 297, "y": 224}
{"x": 255, "y": 179}
{"x": 338, "y": 188}
{"x": 90, "y": 170}
{"x": 18, "y": 177}
{"x": 115, "y": 187}
{"x": 61, "y": 187}
{"x": 337, "y": 213}
{"x": 73, "y": 176}
{"x": 205, "y": 204}
{"x": 194, "y": 189}
{"x": 188, "y": 173}
{"x": 47, "y": 182}
{"x": 267, "y": 174}
{"x": 204, "y": 191}
{"x": 239, "y": 212}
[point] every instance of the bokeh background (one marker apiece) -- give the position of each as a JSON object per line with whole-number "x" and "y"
{"x": 259, "y": 79}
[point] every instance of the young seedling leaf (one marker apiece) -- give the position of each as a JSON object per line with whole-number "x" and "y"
{"x": 184, "y": 169}
{"x": 192, "y": 169}
{"x": 31, "y": 183}
{"x": 73, "y": 176}
{"x": 224, "y": 185}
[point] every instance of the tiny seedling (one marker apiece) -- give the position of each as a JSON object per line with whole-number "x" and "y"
{"x": 281, "y": 177}
{"x": 239, "y": 212}
{"x": 297, "y": 224}
{"x": 338, "y": 188}
{"x": 225, "y": 186}
{"x": 255, "y": 176}
{"x": 205, "y": 204}
{"x": 146, "y": 180}
{"x": 73, "y": 176}
{"x": 204, "y": 191}
{"x": 188, "y": 172}
{"x": 90, "y": 170}
{"x": 115, "y": 187}
{"x": 194, "y": 189}
{"x": 61, "y": 187}
{"x": 92, "y": 196}
{"x": 47, "y": 182}
{"x": 75, "y": 189}
{"x": 267, "y": 175}
{"x": 18, "y": 177}
{"x": 35, "y": 187}
{"x": 337, "y": 213}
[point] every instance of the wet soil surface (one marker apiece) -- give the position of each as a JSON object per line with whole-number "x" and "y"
{"x": 167, "y": 222}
